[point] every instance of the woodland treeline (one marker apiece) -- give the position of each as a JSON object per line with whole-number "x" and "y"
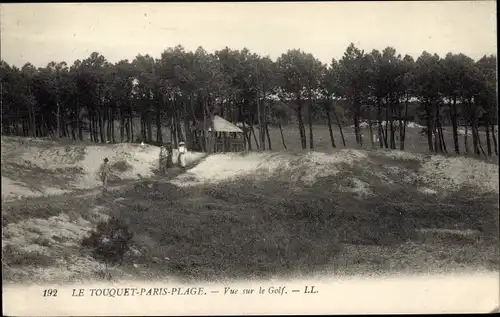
{"x": 181, "y": 88}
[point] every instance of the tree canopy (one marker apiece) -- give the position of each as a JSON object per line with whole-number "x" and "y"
{"x": 92, "y": 97}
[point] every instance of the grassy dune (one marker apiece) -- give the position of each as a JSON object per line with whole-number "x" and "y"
{"x": 273, "y": 214}
{"x": 40, "y": 167}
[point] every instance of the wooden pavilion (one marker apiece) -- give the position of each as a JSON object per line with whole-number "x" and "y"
{"x": 227, "y": 136}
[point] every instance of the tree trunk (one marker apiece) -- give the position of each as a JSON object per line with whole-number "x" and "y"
{"x": 442, "y": 144}
{"x": 31, "y": 121}
{"x": 266, "y": 123}
{"x": 453, "y": 117}
{"x": 141, "y": 131}
{"x": 466, "y": 141}
{"x": 392, "y": 140}
{"x": 130, "y": 130}
{"x": 247, "y": 135}
{"x": 339, "y": 124}
{"x": 303, "y": 139}
{"x": 108, "y": 121}
{"x": 400, "y": 126}
{"x": 173, "y": 131}
{"x": 38, "y": 131}
{"x": 386, "y": 134}
{"x": 309, "y": 119}
{"x": 92, "y": 126}
{"x": 204, "y": 132}
{"x": 488, "y": 141}
{"x": 403, "y": 128}
{"x": 252, "y": 132}
{"x": 159, "y": 136}
{"x": 380, "y": 129}
{"x": 25, "y": 128}
{"x": 441, "y": 136}
{"x": 96, "y": 126}
{"x": 28, "y": 124}
{"x": 66, "y": 129}
{"x": 281, "y": 132}
{"x": 330, "y": 130}
{"x": 436, "y": 136}
{"x": 212, "y": 134}
{"x": 58, "y": 118}
{"x": 180, "y": 132}
{"x": 113, "y": 119}
{"x": 100, "y": 127}
{"x": 356, "y": 130}
{"x": 357, "y": 115}
{"x": 475, "y": 137}
{"x": 268, "y": 137}
{"x": 429, "y": 126}
{"x": 370, "y": 126}
{"x": 144, "y": 132}
{"x": 122, "y": 125}
{"x": 259, "y": 121}
{"x": 187, "y": 130}
{"x": 493, "y": 136}
{"x": 479, "y": 140}
{"x": 187, "y": 127}
{"x": 34, "y": 125}
{"x": 149, "y": 128}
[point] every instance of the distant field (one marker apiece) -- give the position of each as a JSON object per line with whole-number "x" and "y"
{"x": 414, "y": 141}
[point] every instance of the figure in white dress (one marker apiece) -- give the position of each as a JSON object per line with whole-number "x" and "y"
{"x": 182, "y": 155}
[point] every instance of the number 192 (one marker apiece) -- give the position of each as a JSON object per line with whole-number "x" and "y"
{"x": 50, "y": 292}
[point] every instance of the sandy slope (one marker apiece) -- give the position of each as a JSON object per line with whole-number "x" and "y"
{"x": 222, "y": 167}
{"x": 43, "y": 168}
{"x": 438, "y": 172}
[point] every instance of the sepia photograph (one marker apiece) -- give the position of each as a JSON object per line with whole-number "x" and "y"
{"x": 249, "y": 158}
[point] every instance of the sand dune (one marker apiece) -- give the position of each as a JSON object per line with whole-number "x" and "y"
{"x": 439, "y": 172}
{"x": 42, "y": 168}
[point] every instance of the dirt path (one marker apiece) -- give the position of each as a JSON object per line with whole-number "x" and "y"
{"x": 77, "y": 194}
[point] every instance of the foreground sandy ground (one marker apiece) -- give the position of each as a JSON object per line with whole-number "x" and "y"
{"x": 42, "y": 229}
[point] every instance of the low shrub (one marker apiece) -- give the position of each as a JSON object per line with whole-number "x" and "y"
{"x": 121, "y": 166}
{"x": 110, "y": 241}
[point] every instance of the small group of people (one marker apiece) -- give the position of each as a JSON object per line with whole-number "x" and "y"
{"x": 166, "y": 156}
{"x": 166, "y": 161}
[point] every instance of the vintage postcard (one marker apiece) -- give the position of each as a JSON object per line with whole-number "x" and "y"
{"x": 249, "y": 158}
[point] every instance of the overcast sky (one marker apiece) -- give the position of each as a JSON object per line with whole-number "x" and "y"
{"x": 40, "y": 33}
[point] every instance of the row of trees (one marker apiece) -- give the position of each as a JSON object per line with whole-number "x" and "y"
{"x": 182, "y": 88}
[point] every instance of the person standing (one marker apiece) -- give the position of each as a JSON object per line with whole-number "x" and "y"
{"x": 374, "y": 139}
{"x": 163, "y": 159}
{"x": 105, "y": 170}
{"x": 182, "y": 155}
